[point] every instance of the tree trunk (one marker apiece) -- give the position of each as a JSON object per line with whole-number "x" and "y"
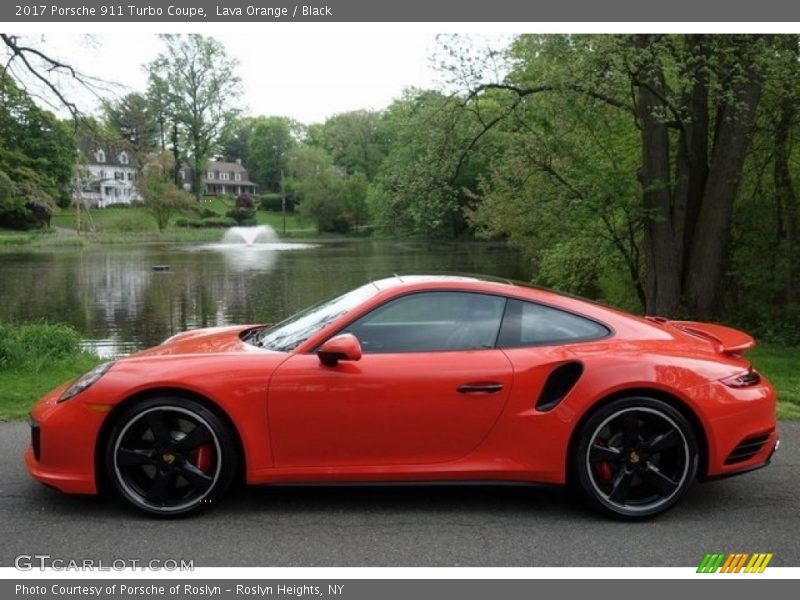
{"x": 786, "y": 197}
{"x": 692, "y": 159}
{"x": 709, "y": 245}
{"x": 662, "y": 287}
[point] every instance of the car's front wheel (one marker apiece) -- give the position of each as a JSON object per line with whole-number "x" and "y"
{"x": 636, "y": 457}
{"x": 169, "y": 456}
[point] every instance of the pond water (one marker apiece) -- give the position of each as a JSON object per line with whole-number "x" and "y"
{"x": 116, "y": 299}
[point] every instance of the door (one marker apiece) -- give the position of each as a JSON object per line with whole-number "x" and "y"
{"x": 428, "y": 388}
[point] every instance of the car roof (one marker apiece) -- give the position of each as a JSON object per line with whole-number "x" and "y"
{"x": 396, "y": 280}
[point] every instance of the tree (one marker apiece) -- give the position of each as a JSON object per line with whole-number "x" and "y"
{"x": 270, "y": 143}
{"x": 162, "y": 198}
{"x": 201, "y": 87}
{"x": 237, "y": 145}
{"x": 133, "y": 119}
{"x": 354, "y": 141}
{"x": 37, "y": 154}
{"x": 693, "y": 102}
{"x": 319, "y": 188}
{"x": 419, "y": 187}
{"x": 40, "y": 74}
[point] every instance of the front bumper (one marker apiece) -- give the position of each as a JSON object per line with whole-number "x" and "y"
{"x": 62, "y": 449}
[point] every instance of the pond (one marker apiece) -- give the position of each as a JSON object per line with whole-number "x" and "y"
{"x": 119, "y": 303}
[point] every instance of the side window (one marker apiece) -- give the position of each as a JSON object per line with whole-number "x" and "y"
{"x": 431, "y": 321}
{"x": 529, "y": 324}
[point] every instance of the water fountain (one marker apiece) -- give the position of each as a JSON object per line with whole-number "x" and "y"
{"x": 251, "y": 248}
{"x": 250, "y": 235}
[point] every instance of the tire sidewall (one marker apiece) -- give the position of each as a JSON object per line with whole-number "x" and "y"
{"x": 580, "y": 468}
{"x": 228, "y": 459}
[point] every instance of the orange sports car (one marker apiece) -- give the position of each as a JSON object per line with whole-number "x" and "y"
{"x": 413, "y": 379}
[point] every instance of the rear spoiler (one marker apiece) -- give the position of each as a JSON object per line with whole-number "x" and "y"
{"x": 727, "y": 339}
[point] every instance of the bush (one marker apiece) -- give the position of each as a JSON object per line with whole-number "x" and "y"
{"x": 242, "y": 216}
{"x": 245, "y": 201}
{"x": 218, "y": 222}
{"x": 274, "y": 203}
{"x": 206, "y": 213}
{"x": 26, "y": 345}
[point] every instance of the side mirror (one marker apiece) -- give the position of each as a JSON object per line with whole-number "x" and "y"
{"x": 341, "y": 347}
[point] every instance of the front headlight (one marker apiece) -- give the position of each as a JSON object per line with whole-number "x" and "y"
{"x": 86, "y": 380}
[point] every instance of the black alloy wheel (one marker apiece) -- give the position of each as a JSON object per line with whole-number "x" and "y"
{"x": 636, "y": 457}
{"x": 170, "y": 456}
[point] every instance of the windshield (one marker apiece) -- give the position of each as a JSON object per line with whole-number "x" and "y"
{"x": 290, "y": 333}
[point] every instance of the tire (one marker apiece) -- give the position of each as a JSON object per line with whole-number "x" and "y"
{"x": 635, "y": 458}
{"x": 169, "y": 456}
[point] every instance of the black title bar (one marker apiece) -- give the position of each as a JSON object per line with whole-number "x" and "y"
{"x": 464, "y": 11}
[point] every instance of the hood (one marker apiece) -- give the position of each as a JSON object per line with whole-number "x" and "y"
{"x": 202, "y": 341}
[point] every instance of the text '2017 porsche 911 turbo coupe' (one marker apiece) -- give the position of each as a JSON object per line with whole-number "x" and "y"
{"x": 417, "y": 379}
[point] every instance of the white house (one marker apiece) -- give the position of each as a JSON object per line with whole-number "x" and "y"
{"x": 107, "y": 176}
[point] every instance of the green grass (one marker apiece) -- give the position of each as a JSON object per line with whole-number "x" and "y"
{"x": 34, "y": 359}
{"x": 782, "y": 367}
{"x": 135, "y": 225}
{"x": 21, "y": 387}
{"x": 137, "y": 219}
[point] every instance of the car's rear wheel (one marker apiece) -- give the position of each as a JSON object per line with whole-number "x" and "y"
{"x": 170, "y": 456}
{"x": 636, "y": 457}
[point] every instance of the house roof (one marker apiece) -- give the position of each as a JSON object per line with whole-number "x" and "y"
{"x": 225, "y": 166}
{"x": 89, "y": 147}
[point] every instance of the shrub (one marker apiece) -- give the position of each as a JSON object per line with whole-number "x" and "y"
{"x": 217, "y": 222}
{"x": 205, "y": 212}
{"x": 244, "y": 201}
{"x": 274, "y": 203}
{"x": 26, "y": 345}
{"x": 242, "y": 216}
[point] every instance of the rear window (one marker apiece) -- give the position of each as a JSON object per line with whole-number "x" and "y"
{"x": 530, "y": 324}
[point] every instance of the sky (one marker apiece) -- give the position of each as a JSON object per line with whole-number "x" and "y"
{"x": 308, "y": 77}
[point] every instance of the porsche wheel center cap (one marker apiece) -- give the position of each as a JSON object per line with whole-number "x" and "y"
{"x": 168, "y": 458}
{"x": 633, "y": 457}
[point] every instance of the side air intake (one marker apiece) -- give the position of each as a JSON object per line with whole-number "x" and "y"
{"x": 558, "y": 384}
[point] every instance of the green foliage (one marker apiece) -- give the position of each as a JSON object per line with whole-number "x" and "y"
{"x": 419, "y": 188}
{"x": 162, "y": 198}
{"x": 355, "y": 141}
{"x": 325, "y": 194}
{"x": 133, "y": 118}
{"x": 779, "y": 365}
{"x": 34, "y": 359}
{"x": 37, "y": 154}
{"x": 25, "y": 345}
{"x": 273, "y": 202}
{"x": 194, "y": 85}
{"x": 270, "y": 143}
{"x": 242, "y": 215}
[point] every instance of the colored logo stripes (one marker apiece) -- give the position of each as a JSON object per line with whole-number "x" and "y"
{"x": 735, "y": 562}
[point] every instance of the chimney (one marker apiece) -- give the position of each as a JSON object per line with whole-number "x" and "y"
{"x": 239, "y": 161}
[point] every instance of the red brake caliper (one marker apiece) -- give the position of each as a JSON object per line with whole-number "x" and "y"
{"x": 602, "y": 471}
{"x": 202, "y": 457}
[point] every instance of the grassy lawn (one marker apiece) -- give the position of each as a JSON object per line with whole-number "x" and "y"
{"x": 20, "y": 387}
{"x": 136, "y": 219}
{"x": 782, "y": 367}
{"x": 136, "y": 226}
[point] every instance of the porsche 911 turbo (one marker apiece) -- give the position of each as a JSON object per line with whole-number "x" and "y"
{"x": 417, "y": 378}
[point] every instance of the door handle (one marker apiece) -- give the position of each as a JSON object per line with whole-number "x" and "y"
{"x": 480, "y": 388}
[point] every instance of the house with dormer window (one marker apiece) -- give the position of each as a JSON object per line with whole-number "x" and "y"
{"x": 221, "y": 179}
{"x": 107, "y": 175}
